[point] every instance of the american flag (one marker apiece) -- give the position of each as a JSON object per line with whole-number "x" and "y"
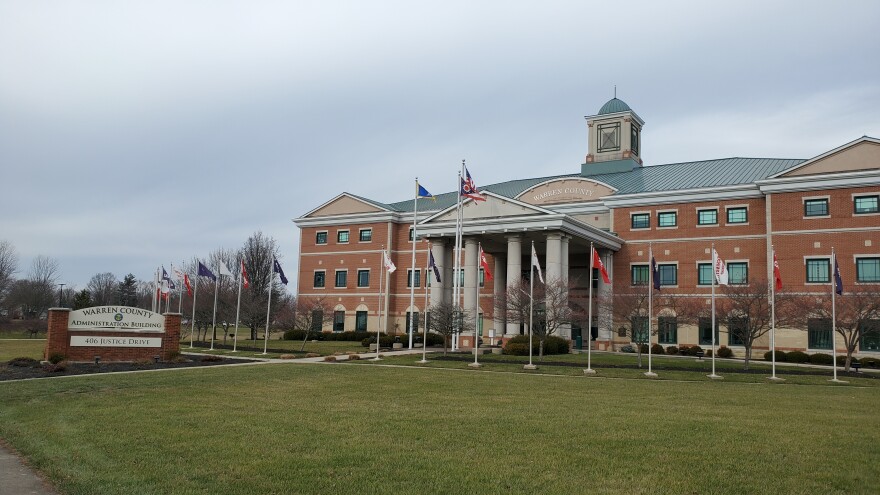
{"x": 469, "y": 189}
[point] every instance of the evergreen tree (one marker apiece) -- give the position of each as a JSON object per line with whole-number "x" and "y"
{"x": 127, "y": 291}
{"x": 83, "y": 299}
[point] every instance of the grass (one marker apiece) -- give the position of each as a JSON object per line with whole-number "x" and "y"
{"x": 32, "y": 348}
{"x": 246, "y": 348}
{"x": 286, "y": 428}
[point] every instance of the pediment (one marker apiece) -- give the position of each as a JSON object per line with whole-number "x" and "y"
{"x": 862, "y": 154}
{"x": 344, "y": 204}
{"x": 566, "y": 190}
{"x": 495, "y": 206}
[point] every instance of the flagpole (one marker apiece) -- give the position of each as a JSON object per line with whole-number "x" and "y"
{"x": 833, "y": 269}
{"x": 237, "y": 312}
{"x": 456, "y": 282}
{"x": 425, "y": 322}
{"x": 269, "y": 306}
{"x": 476, "y": 363}
{"x": 531, "y": 366}
{"x": 714, "y": 279}
{"x": 216, "y": 292}
{"x": 180, "y": 297}
{"x": 589, "y": 370}
{"x": 412, "y": 284}
{"x": 193, "y": 327}
{"x": 773, "y": 318}
{"x": 651, "y": 374}
{"x": 379, "y": 314}
{"x": 170, "y": 292}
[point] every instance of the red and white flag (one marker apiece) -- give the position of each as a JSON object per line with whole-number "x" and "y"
{"x": 386, "y": 260}
{"x": 244, "y": 277}
{"x": 597, "y": 263}
{"x": 777, "y": 275}
{"x": 485, "y": 264}
{"x": 189, "y": 289}
{"x": 720, "y": 268}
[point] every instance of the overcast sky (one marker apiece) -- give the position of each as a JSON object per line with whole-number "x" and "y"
{"x": 134, "y": 134}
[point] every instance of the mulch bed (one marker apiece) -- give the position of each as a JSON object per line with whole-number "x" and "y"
{"x": 779, "y": 370}
{"x": 19, "y": 369}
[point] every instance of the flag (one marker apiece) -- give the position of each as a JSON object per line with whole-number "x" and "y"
{"x": 244, "y": 277}
{"x": 720, "y": 268}
{"x": 469, "y": 189}
{"x": 189, "y": 289}
{"x": 423, "y": 193}
{"x": 485, "y": 264}
{"x": 276, "y": 267}
{"x": 178, "y": 274}
{"x": 597, "y": 263}
{"x": 205, "y": 272}
{"x": 655, "y": 273}
{"x": 777, "y": 275}
{"x": 433, "y": 266}
{"x": 224, "y": 270}
{"x": 171, "y": 284}
{"x": 389, "y": 265}
{"x": 537, "y": 264}
{"x": 165, "y": 274}
{"x": 838, "y": 282}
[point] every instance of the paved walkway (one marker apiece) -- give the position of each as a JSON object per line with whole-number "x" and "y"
{"x": 16, "y": 478}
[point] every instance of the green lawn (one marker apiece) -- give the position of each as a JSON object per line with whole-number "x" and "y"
{"x": 10, "y": 349}
{"x": 246, "y": 348}
{"x": 346, "y": 428}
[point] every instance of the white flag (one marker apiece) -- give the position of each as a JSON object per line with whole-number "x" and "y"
{"x": 164, "y": 287}
{"x": 720, "y": 268}
{"x": 178, "y": 274}
{"x": 537, "y": 264}
{"x": 389, "y": 265}
{"x": 224, "y": 270}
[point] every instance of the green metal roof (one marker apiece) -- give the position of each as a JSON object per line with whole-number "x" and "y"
{"x": 668, "y": 177}
{"x": 613, "y": 106}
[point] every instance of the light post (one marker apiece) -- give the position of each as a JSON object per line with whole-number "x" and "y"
{"x": 60, "y": 293}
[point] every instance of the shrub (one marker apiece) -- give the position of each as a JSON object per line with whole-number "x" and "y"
{"x": 708, "y": 353}
{"x": 628, "y": 348}
{"x": 56, "y": 358}
{"x": 313, "y": 355}
{"x": 820, "y": 358}
{"x": 797, "y": 357}
{"x": 287, "y": 356}
{"x": 693, "y": 350}
{"x": 435, "y": 339}
{"x": 780, "y": 356}
{"x": 643, "y": 348}
{"x": 384, "y": 340}
{"x": 868, "y": 361}
{"x": 657, "y": 349}
{"x": 353, "y": 356}
{"x": 672, "y": 350}
{"x": 24, "y": 362}
{"x": 516, "y": 349}
{"x": 683, "y": 349}
{"x": 56, "y": 367}
{"x": 725, "y": 352}
{"x": 211, "y": 359}
{"x": 552, "y": 345}
{"x": 330, "y": 359}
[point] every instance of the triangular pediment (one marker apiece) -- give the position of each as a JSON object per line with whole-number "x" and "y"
{"x": 861, "y": 154}
{"x": 344, "y": 204}
{"x": 495, "y": 206}
{"x": 565, "y": 190}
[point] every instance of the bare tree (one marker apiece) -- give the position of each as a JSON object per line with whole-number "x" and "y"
{"x": 857, "y": 314}
{"x": 312, "y": 314}
{"x": 103, "y": 288}
{"x": 258, "y": 252}
{"x": 8, "y": 267}
{"x": 446, "y": 319}
{"x": 36, "y": 294}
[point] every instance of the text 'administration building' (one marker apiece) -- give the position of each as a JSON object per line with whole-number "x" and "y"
{"x": 742, "y": 205}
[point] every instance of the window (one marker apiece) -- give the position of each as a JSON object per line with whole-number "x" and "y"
{"x": 410, "y": 233}
{"x": 363, "y": 278}
{"x": 870, "y": 333}
{"x": 341, "y": 278}
{"x": 866, "y": 204}
{"x": 818, "y": 271}
{"x": 339, "y": 321}
{"x": 321, "y": 237}
{"x": 319, "y": 279}
{"x": 640, "y": 329}
{"x": 409, "y": 321}
{"x": 641, "y": 220}
{"x": 317, "y": 320}
{"x": 816, "y": 207}
{"x": 707, "y": 217}
{"x": 868, "y": 270}
{"x": 409, "y": 278}
{"x": 818, "y": 333}
{"x": 360, "y": 321}
{"x": 366, "y": 235}
{"x": 634, "y": 139}
{"x": 668, "y": 274}
{"x": 737, "y": 215}
{"x": 482, "y": 277}
{"x": 639, "y": 274}
{"x": 667, "y": 327}
{"x": 737, "y": 330}
{"x": 738, "y": 273}
{"x": 595, "y": 278}
{"x": 704, "y": 274}
{"x": 667, "y": 219}
{"x": 608, "y": 137}
{"x": 461, "y": 277}
{"x": 342, "y": 236}
{"x": 705, "y": 325}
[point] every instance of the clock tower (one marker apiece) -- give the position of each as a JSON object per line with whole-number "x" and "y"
{"x": 615, "y": 135}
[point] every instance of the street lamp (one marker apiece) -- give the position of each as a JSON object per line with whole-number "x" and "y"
{"x": 60, "y": 292}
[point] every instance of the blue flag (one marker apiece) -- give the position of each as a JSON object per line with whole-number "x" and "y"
{"x": 423, "y": 193}
{"x": 205, "y": 272}
{"x": 433, "y": 266}
{"x": 655, "y": 274}
{"x": 276, "y": 267}
{"x": 838, "y": 282}
{"x": 165, "y": 274}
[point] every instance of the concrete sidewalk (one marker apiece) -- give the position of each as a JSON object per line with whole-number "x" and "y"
{"x": 16, "y": 478}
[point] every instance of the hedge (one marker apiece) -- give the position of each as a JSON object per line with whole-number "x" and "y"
{"x": 552, "y": 345}
{"x": 780, "y": 356}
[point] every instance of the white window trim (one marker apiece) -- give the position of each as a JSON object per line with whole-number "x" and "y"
{"x": 646, "y": 264}
{"x": 704, "y": 208}
{"x": 748, "y": 269}
{"x": 862, "y": 195}
{"x": 730, "y": 207}
{"x": 830, "y": 271}
{"x": 660, "y": 212}
{"x": 856, "y": 266}
{"x": 827, "y": 199}
{"x": 409, "y": 277}
{"x": 697, "y": 267}
{"x": 369, "y": 278}
{"x": 364, "y": 230}
{"x": 334, "y": 278}
{"x": 324, "y": 271}
{"x": 338, "y": 231}
{"x": 677, "y": 272}
{"x": 316, "y": 237}
{"x": 632, "y": 213}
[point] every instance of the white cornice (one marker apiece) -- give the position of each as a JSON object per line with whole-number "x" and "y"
{"x": 860, "y": 178}
{"x": 863, "y": 139}
{"x": 357, "y": 218}
{"x": 742, "y": 191}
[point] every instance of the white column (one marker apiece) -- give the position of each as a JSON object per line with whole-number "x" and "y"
{"x": 446, "y": 274}
{"x": 514, "y": 270}
{"x": 498, "y": 293}
{"x": 471, "y": 283}
{"x": 438, "y": 249}
{"x": 565, "y": 330}
{"x": 554, "y": 258}
{"x": 604, "y": 318}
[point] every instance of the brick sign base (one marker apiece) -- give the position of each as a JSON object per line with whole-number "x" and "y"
{"x": 59, "y": 338}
